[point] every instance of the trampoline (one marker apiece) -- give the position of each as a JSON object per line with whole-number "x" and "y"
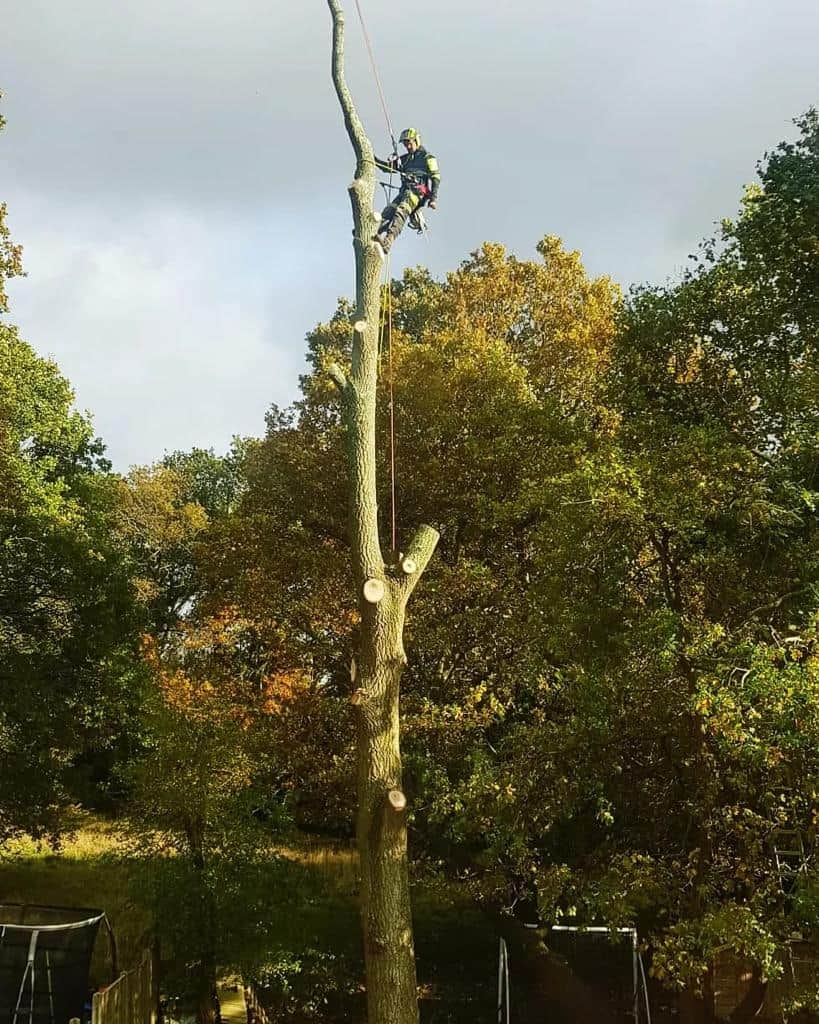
{"x": 45, "y": 957}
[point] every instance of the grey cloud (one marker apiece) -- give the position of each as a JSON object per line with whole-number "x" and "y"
{"x": 627, "y": 128}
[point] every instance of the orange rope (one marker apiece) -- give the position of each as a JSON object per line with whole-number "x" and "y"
{"x": 393, "y": 503}
{"x": 385, "y": 320}
{"x": 375, "y": 73}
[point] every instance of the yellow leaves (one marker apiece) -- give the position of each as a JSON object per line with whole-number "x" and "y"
{"x": 153, "y": 512}
{"x": 282, "y": 689}
{"x": 685, "y": 367}
{"x": 558, "y": 321}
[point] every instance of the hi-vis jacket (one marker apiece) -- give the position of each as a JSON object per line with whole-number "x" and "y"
{"x": 418, "y": 168}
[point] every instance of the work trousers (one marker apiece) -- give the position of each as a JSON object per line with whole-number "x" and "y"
{"x": 394, "y": 216}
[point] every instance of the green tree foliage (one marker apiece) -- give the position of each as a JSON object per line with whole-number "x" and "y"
{"x": 68, "y": 623}
{"x": 665, "y": 761}
{"x": 11, "y": 255}
{"x": 612, "y": 713}
{"x": 163, "y": 513}
{"x": 206, "y": 864}
{"x": 471, "y": 458}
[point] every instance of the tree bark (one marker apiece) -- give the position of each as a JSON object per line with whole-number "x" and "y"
{"x": 750, "y": 1006}
{"x": 554, "y": 985}
{"x": 381, "y": 827}
{"x": 206, "y": 968}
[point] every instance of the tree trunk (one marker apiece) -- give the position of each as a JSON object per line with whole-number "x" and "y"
{"x": 698, "y": 1008}
{"x": 750, "y": 1006}
{"x": 381, "y": 829}
{"x": 206, "y": 968}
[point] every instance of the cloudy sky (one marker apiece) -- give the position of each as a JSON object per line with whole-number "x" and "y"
{"x": 177, "y": 170}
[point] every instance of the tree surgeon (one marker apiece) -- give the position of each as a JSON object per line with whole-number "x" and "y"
{"x": 384, "y": 587}
{"x": 420, "y": 180}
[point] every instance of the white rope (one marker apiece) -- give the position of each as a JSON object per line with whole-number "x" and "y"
{"x": 375, "y": 73}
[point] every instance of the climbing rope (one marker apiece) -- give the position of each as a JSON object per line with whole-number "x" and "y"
{"x": 376, "y": 75}
{"x": 385, "y": 316}
{"x": 385, "y": 326}
{"x": 393, "y": 501}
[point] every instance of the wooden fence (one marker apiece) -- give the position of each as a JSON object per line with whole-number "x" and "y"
{"x": 131, "y": 999}
{"x": 256, "y": 1013}
{"x": 732, "y": 978}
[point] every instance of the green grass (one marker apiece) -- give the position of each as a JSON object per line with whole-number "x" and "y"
{"x": 83, "y": 871}
{"x": 455, "y": 947}
{"x": 334, "y": 861}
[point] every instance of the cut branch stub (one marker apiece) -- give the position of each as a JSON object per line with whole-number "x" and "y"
{"x": 419, "y": 551}
{"x": 397, "y": 800}
{"x": 360, "y": 326}
{"x": 373, "y": 590}
{"x": 337, "y": 376}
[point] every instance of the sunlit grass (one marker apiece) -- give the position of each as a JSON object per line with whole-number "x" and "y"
{"x": 86, "y": 837}
{"x": 82, "y": 871}
{"x": 335, "y": 862}
{"x": 90, "y": 868}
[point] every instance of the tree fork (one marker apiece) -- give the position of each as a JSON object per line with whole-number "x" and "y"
{"x": 382, "y": 822}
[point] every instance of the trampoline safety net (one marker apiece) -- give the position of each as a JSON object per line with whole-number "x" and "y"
{"x": 45, "y": 956}
{"x": 607, "y": 962}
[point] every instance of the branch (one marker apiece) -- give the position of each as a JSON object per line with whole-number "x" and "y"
{"x": 358, "y": 137}
{"x": 337, "y": 376}
{"x": 419, "y": 551}
{"x": 773, "y": 605}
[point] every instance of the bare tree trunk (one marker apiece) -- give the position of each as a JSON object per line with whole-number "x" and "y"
{"x": 751, "y": 1004}
{"x": 554, "y": 985}
{"x": 382, "y": 831}
{"x": 206, "y": 968}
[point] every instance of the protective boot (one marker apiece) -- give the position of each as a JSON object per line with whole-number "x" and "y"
{"x": 384, "y": 239}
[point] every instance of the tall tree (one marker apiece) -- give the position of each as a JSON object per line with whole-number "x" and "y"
{"x": 11, "y": 255}
{"x": 194, "y": 797}
{"x": 665, "y": 759}
{"x": 487, "y": 449}
{"x": 383, "y": 588}
{"x": 69, "y": 675}
{"x": 68, "y": 624}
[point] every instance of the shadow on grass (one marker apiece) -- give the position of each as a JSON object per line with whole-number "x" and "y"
{"x": 315, "y": 976}
{"x": 308, "y": 963}
{"x": 85, "y": 871}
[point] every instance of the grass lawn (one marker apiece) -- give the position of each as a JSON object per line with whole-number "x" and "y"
{"x": 82, "y": 872}
{"x": 316, "y": 950}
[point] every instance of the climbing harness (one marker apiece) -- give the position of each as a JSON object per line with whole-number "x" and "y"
{"x": 416, "y": 219}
